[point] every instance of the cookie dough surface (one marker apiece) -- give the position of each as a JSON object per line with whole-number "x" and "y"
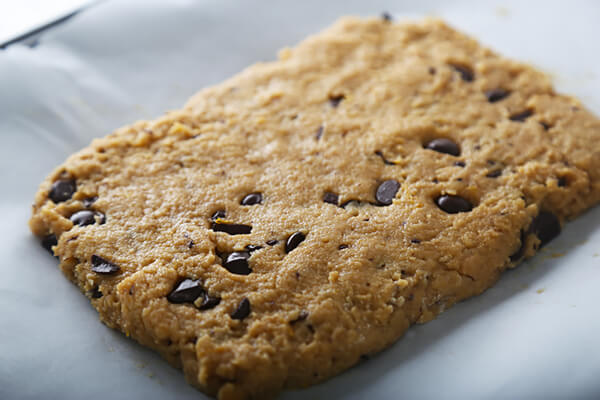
{"x": 304, "y": 213}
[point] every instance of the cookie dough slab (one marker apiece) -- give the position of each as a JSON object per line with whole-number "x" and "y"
{"x": 379, "y": 173}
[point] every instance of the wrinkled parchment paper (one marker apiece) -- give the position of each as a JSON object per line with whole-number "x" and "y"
{"x": 534, "y": 335}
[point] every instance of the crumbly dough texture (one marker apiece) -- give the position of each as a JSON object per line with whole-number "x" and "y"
{"x": 344, "y": 111}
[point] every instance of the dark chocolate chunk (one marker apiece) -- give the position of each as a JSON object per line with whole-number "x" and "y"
{"x": 495, "y": 95}
{"x": 494, "y": 174}
{"x": 319, "y": 133}
{"x": 104, "y": 267}
{"x": 186, "y": 291}
{"x": 87, "y": 217}
{"x": 62, "y": 190}
{"x": 95, "y": 293}
{"x": 231, "y": 229}
{"x": 252, "y": 199}
{"x": 545, "y": 226}
{"x": 443, "y": 145}
{"x": 545, "y": 125}
{"x": 453, "y": 204}
{"x": 218, "y": 214}
{"x": 207, "y": 302}
{"x": 386, "y": 192}
{"x": 48, "y": 241}
{"x": 415, "y": 241}
{"x": 466, "y": 73}
{"x": 329, "y": 197}
{"x": 386, "y": 16}
{"x": 459, "y": 164}
{"x": 335, "y": 100}
{"x": 253, "y": 247}
{"x": 521, "y": 116}
{"x": 293, "y": 241}
{"x": 89, "y": 201}
{"x": 237, "y": 263}
{"x": 342, "y": 246}
{"x": 272, "y": 242}
{"x": 242, "y": 310}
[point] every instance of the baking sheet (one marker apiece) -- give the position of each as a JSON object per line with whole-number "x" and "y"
{"x": 534, "y": 335}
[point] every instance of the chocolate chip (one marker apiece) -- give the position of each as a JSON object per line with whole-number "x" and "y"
{"x": 335, "y": 100}
{"x": 218, "y": 214}
{"x": 459, "y": 164}
{"x": 545, "y": 125}
{"x": 89, "y": 201}
{"x": 494, "y": 174}
{"x": 242, "y": 310}
{"x": 453, "y": 204}
{"x": 443, "y": 145}
{"x": 386, "y": 16}
{"x": 415, "y": 241}
{"x": 252, "y": 199}
{"x": 545, "y": 226}
{"x": 206, "y": 302}
{"x": 231, "y": 229}
{"x": 431, "y": 70}
{"x": 186, "y": 291}
{"x": 495, "y": 95}
{"x": 386, "y": 192}
{"x": 253, "y": 247}
{"x": 293, "y": 241}
{"x": 342, "y": 246}
{"x": 48, "y": 241}
{"x": 521, "y": 116}
{"x": 87, "y": 217}
{"x": 62, "y": 190}
{"x": 237, "y": 263}
{"x": 319, "y": 133}
{"x": 331, "y": 198}
{"x": 95, "y": 293}
{"x": 562, "y": 181}
{"x": 104, "y": 267}
{"x": 190, "y": 244}
{"x": 272, "y": 242}
{"x": 466, "y": 73}
{"x": 385, "y": 161}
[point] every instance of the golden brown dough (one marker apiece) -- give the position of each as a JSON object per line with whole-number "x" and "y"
{"x": 381, "y": 171}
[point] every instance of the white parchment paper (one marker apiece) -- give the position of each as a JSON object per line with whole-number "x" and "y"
{"x": 533, "y": 336}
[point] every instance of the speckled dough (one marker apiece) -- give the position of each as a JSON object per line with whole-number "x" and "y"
{"x": 315, "y": 135}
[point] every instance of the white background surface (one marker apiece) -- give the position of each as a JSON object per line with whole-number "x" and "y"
{"x": 533, "y": 336}
{"x": 20, "y": 16}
